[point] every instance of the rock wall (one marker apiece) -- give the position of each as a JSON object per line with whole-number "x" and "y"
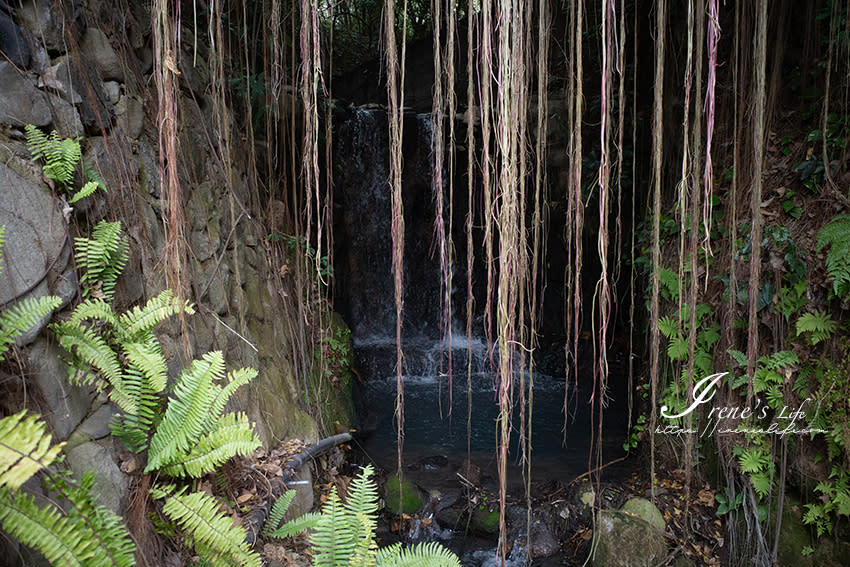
{"x": 87, "y": 73}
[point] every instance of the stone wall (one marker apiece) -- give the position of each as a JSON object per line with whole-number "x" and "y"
{"x": 86, "y": 72}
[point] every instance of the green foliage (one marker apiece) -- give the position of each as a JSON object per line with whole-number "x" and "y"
{"x": 184, "y": 431}
{"x": 25, "y": 448}
{"x": 102, "y": 259}
{"x": 343, "y": 535}
{"x": 22, "y": 316}
{"x": 60, "y": 159}
{"x": 83, "y": 533}
{"x": 637, "y": 431}
{"x": 834, "y": 501}
{"x": 214, "y": 535}
{"x": 836, "y": 236}
{"x": 817, "y": 326}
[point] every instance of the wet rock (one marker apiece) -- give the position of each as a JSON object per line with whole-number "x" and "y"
{"x": 624, "y": 540}
{"x": 98, "y": 50}
{"x": 20, "y": 102}
{"x": 66, "y": 288}
{"x": 540, "y": 537}
{"x": 110, "y": 488}
{"x": 13, "y": 44}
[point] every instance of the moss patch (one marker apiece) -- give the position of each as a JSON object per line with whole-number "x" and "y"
{"x": 401, "y": 495}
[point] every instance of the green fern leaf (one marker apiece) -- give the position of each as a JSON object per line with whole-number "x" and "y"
{"x": 668, "y": 326}
{"x": 187, "y": 415}
{"x": 93, "y": 353}
{"x": 295, "y": 526}
{"x": 334, "y": 539}
{"x": 148, "y": 359}
{"x": 670, "y": 282}
{"x": 279, "y": 510}
{"x": 222, "y": 542}
{"x": 140, "y": 321}
{"x": 87, "y": 190}
{"x": 25, "y": 447}
{"x": 761, "y": 483}
{"x": 752, "y": 460}
{"x": 430, "y": 554}
{"x": 819, "y": 325}
{"x": 24, "y": 315}
{"x": 233, "y": 436}
{"x": 102, "y": 257}
{"x": 836, "y": 235}
{"x": 738, "y": 357}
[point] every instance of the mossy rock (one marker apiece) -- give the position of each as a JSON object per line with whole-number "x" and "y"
{"x": 401, "y": 495}
{"x": 484, "y": 520}
{"x": 617, "y": 531}
{"x": 646, "y": 511}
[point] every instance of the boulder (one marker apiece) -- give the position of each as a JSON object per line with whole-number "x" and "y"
{"x": 110, "y": 488}
{"x": 66, "y": 119}
{"x": 624, "y": 540}
{"x": 646, "y": 511}
{"x": 20, "y": 102}
{"x": 13, "y": 44}
{"x": 66, "y": 405}
{"x": 51, "y": 20}
{"x": 99, "y": 51}
{"x": 36, "y": 248}
{"x": 401, "y": 496}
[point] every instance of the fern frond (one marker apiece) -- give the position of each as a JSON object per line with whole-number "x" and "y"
{"x": 98, "y": 524}
{"x": 147, "y": 357}
{"x": 59, "y": 157}
{"x": 135, "y": 428}
{"x": 295, "y": 526}
{"x": 232, "y": 436}
{"x": 819, "y": 325}
{"x": 92, "y": 352}
{"x": 187, "y": 415}
{"x": 836, "y": 235}
{"x": 362, "y": 503}
{"x": 334, "y": 538}
{"x": 96, "y": 310}
{"x": 142, "y": 320}
{"x": 23, "y": 316}
{"x": 25, "y": 447}
{"x": 89, "y": 188}
{"x": 102, "y": 257}
{"x": 235, "y": 379}
{"x": 199, "y": 516}
{"x": 430, "y": 554}
{"x": 279, "y": 510}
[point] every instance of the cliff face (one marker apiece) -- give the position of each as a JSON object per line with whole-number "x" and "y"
{"x": 87, "y": 72}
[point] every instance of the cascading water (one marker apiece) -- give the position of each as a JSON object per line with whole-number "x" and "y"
{"x": 435, "y": 439}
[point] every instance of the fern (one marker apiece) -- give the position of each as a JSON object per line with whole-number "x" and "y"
{"x": 836, "y": 235}
{"x": 819, "y": 325}
{"x": 23, "y": 316}
{"x": 214, "y": 535}
{"x": 60, "y": 158}
{"x": 140, "y": 321}
{"x": 344, "y": 534}
{"x": 86, "y": 534}
{"x": 102, "y": 258}
{"x": 232, "y": 436}
{"x": 24, "y": 449}
{"x": 423, "y": 555}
